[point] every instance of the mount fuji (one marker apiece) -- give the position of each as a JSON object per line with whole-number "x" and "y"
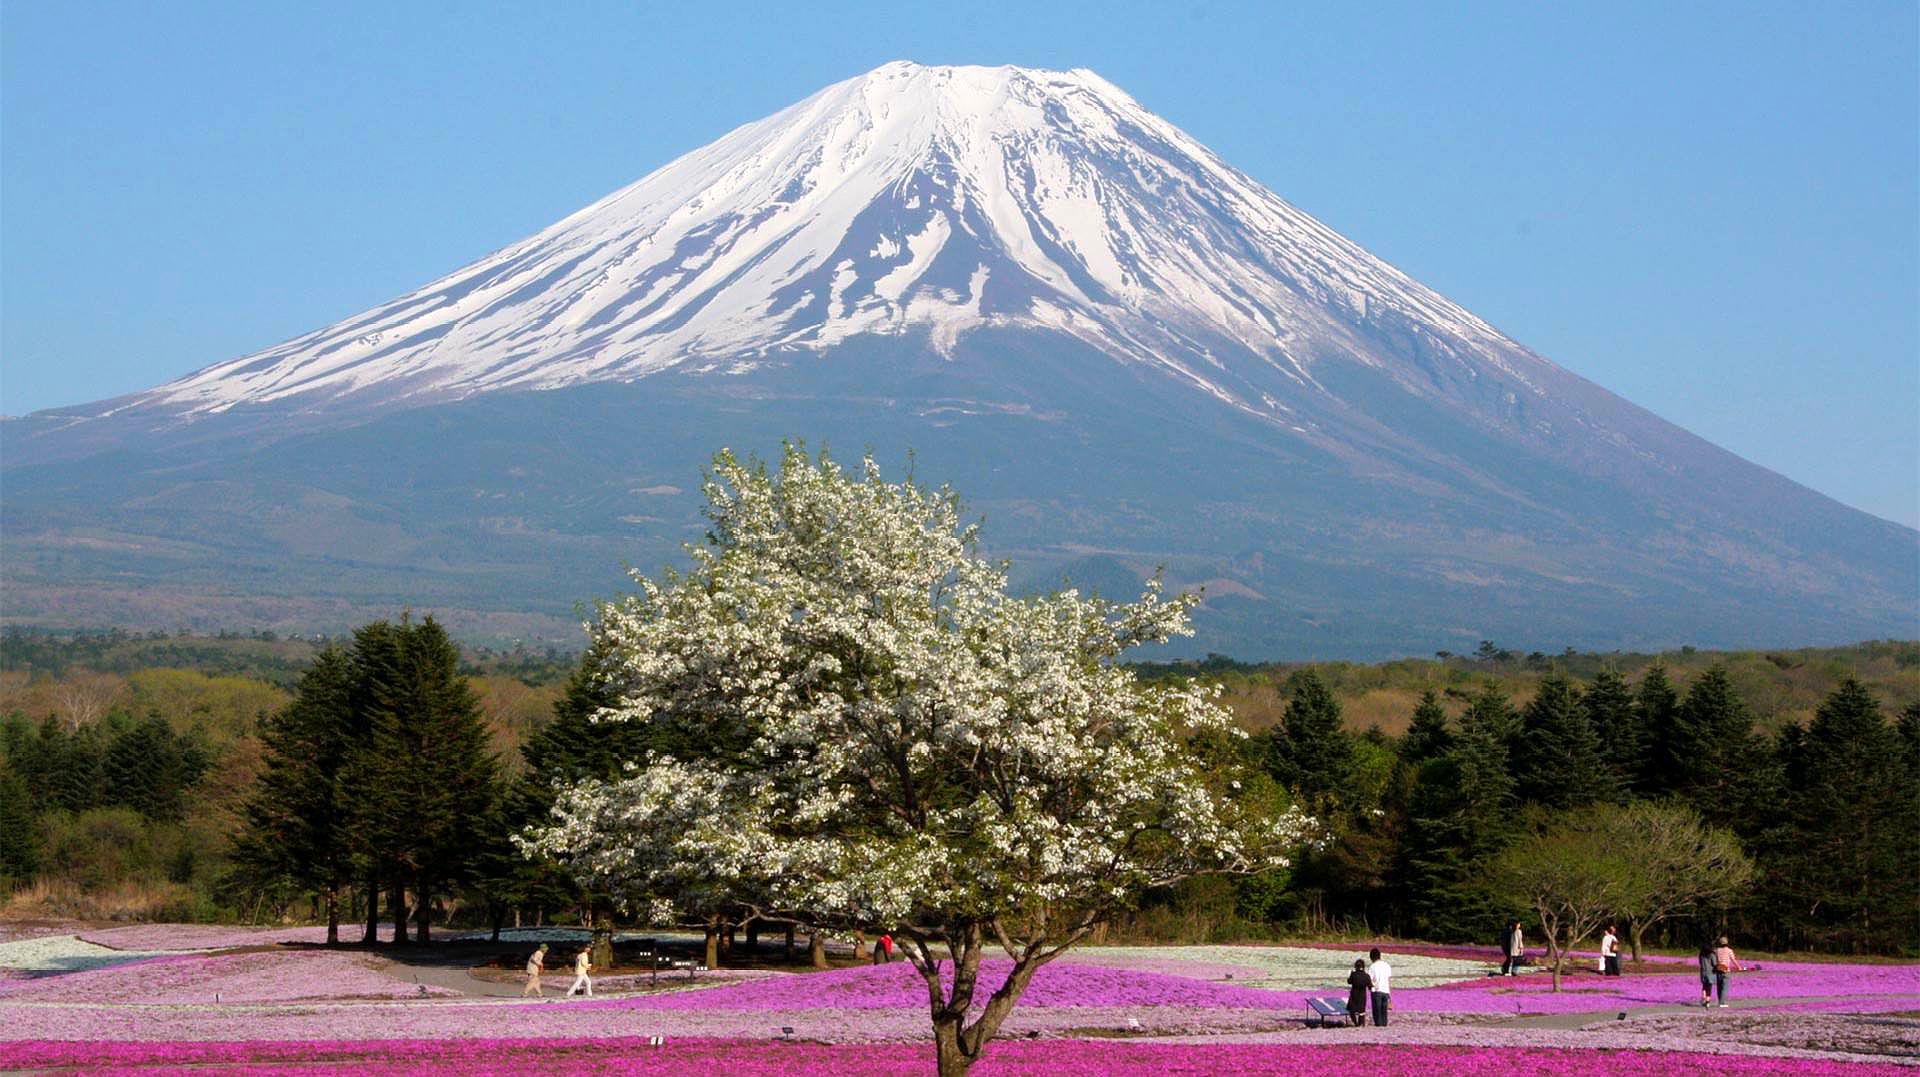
{"x": 1127, "y": 353}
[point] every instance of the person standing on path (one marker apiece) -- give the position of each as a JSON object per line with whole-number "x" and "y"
{"x": 535, "y": 964}
{"x": 1610, "y": 953}
{"x": 1511, "y": 950}
{"x": 1706, "y": 972}
{"x": 582, "y": 961}
{"x": 1381, "y": 974}
{"x": 1358, "y": 985}
{"x": 1725, "y": 964}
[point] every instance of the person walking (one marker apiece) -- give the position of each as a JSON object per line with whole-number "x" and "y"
{"x": 885, "y": 948}
{"x": 535, "y": 965}
{"x": 1381, "y": 974}
{"x": 1610, "y": 953}
{"x": 1358, "y": 986}
{"x": 1725, "y": 964}
{"x": 1512, "y": 949}
{"x": 582, "y": 962}
{"x": 1706, "y": 972}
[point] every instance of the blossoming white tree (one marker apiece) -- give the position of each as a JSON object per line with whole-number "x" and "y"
{"x": 860, "y": 727}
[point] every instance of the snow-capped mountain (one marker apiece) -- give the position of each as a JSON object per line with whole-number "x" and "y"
{"x": 935, "y": 198}
{"x": 1127, "y": 353}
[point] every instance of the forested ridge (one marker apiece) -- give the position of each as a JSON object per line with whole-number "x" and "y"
{"x": 131, "y": 767}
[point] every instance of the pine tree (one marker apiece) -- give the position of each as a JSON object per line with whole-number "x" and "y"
{"x": 1428, "y": 736}
{"x": 1461, "y": 812}
{"x": 428, "y": 765}
{"x": 1715, "y": 753}
{"x": 1624, "y": 740}
{"x": 1559, "y": 762}
{"x": 1655, "y": 705}
{"x": 20, "y": 840}
{"x": 1319, "y": 750}
{"x": 295, "y": 829}
{"x": 1850, "y": 861}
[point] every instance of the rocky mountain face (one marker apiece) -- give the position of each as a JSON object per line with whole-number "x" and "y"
{"x": 1127, "y": 353}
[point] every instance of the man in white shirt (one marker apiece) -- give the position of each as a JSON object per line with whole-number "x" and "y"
{"x": 1610, "y": 953}
{"x": 1382, "y": 975}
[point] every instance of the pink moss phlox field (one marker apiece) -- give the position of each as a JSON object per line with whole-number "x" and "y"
{"x": 1064, "y": 1058}
{"x": 1533, "y": 994}
{"x": 209, "y": 936}
{"x": 1489, "y": 954}
{"x": 898, "y": 986}
{"x": 105, "y": 977}
{"x": 246, "y": 977}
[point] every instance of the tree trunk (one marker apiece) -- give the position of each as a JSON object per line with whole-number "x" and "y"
{"x": 789, "y": 942}
{"x": 1635, "y": 931}
{"x": 602, "y": 955}
{"x": 713, "y": 942}
{"x": 333, "y": 916}
{"x": 860, "y": 951}
{"x": 726, "y": 937}
{"x": 817, "y": 949}
{"x": 753, "y": 935}
{"x": 949, "y": 1059}
{"x": 424, "y": 900}
{"x": 499, "y": 914}
{"x": 373, "y": 914}
{"x": 398, "y": 903}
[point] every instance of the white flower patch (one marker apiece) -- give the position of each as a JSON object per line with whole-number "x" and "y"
{"x": 68, "y": 953}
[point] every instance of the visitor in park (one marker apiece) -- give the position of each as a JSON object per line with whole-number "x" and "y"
{"x": 1358, "y": 985}
{"x": 535, "y": 965}
{"x": 582, "y": 961}
{"x": 1610, "y": 953}
{"x": 1511, "y": 949}
{"x": 1725, "y": 964}
{"x": 883, "y": 949}
{"x": 1706, "y": 972}
{"x": 1381, "y": 974}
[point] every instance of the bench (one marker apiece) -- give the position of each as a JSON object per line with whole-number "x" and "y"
{"x": 1326, "y": 1011}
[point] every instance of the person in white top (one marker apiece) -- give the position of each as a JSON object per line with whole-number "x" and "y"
{"x": 1610, "y": 953}
{"x": 581, "y": 963}
{"x": 1381, "y": 974}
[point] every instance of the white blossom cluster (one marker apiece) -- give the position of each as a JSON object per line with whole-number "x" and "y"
{"x": 868, "y": 728}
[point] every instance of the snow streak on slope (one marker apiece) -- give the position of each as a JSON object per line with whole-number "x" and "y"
{"x": 911, "y": 198}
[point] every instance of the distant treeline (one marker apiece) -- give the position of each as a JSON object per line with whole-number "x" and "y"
{"x": 131, "y": 773}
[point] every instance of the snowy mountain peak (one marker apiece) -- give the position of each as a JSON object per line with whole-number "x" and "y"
{"x": 914, "y": 202}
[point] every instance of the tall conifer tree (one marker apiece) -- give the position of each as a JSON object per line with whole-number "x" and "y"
{"x": 1655, "y": 704}
{"x": 1427, "y": 737}
{"x": 1625, "y": 740}
{"x": 296, "y": 822}
{"x": 1559, "y": 762}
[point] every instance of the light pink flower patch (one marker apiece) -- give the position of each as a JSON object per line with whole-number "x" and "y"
{"x": 1048, "y": 1058}
{"x": 898, "y": 986}
{"x": 231, "y": 978}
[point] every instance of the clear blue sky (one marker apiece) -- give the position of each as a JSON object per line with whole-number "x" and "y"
{"x": 1711, "y": 209}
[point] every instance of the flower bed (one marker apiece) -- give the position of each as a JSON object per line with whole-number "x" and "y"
{"x": 247, "y": 977}
{"x": 899, "y": 986}
{"x": 48, "y": 954}
{"x": 776, "y": 1059}
{"x": 1533, "y": 993}
{"x": 209, "y": 936}
{"x": 1305, "y": 968}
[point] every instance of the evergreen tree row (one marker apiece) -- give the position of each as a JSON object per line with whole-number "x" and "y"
{"x": 1829, "y": 811}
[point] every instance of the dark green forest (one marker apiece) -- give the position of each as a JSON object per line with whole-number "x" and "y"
{"x": 381, "y": 775}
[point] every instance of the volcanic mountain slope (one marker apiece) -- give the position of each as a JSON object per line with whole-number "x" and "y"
{"x": 1126, "y": 352}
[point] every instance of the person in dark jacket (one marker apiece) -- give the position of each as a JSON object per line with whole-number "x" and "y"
{"x": 1359, "y": 985}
